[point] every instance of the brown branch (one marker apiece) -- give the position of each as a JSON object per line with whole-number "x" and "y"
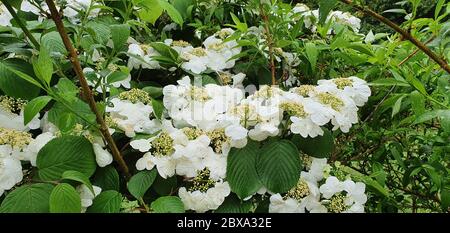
{"x": 86, "y": 90}
{"x": 416, "y": 51}
{"x": 440, "y": 61}
{"x": 269, "y": 43}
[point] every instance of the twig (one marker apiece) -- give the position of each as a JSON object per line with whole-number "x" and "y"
{"x": 440, "y": 61}
{"x": 269, "y": 43}
{"x": 378, "y": 105}
{"x": 86, "y": 90}
{"x": 21, "y": 24}
{"x": 416, "y": 51}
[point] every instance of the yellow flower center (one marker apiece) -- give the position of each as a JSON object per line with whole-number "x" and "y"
{"x": 305, "y": 90}
{"x": 300, "y": 191}
{"x": 225, "y": 77}
{"x": 12, "y": 105}
{"x": 136, "y": 95}
{"x": 341, "y": 83}
{"x": 337, "y": 204}
{"x": 294, "y": 109}
{"x": 216, "y": 46}
{"x": 202, "y": 182}
{"x": 218, "y": 139}
{"x": 192, "y": 133}
{"x": 223, "y": 34}
{"x": 198, "y": 94}
{"x": 180, "y": 43}
{"x": 162, "y": 145}
{"x": 17, "y": 139}
{"x": 331, "y": 100}
{"x": 199, "y": 52}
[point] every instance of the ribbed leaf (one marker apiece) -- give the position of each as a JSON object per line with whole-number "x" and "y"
{"x": 63, "y": 154}
{"x": 241, "y": 170}
{"x": 278, "y": 165}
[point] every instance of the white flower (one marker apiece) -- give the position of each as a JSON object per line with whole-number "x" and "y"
{"x": 317, "y": 169}
{"x": 279, "y": 205}
{"x": 87, "y": 196}
{"x": 238, "y": 135}
{"x": 133, "y": 118}
{"x": 31, "y": 151}
{"x": 355, "y": 192}
{"x": 5, "y": 16}
{"x": 305, "y": 127}
{"x": 10, "y": 172}
{"x": 15, "y": 121}
{"x": 189, "y": 157}
{"x": 305, "y": 196}
{"x": 355, "y": 88}
{"x": 102, "y": 156}
{"x": 144, "y": 54}
{"x": 332, "y": 186}
{"x": 164, "y": 164}
{"x": 73, "y": 7}
{"x": 200, "y": 201}
{"x": 143, "y": 145}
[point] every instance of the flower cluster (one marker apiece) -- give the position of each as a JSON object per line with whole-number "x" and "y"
{"x": 206, "y": 121}
{"x": 313, "y": 194}
{"x": 215, "y": 54}
{"x": 311, "y": 17}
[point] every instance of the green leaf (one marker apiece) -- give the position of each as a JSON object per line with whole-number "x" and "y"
{"x": 43, "y": 66}
{"x": 63, "y": 154}
{"x": 119, "y": 35}
{"x": 15, "y": 3}
{"x": 239, "y": 25}
{"x": 20, "y": 74}
{"x": 172, "y": 12}
{"x": 154, "y": 92}
{"x": 158, "y": 108}
{"x": 53, "y": 43}
{"x": 438, "y": 9}
{"x": 67, "y": 87}
{"x": 34, "y": 107}
{"x": 367, "y": 180}
{"x": 278, "y": 165}
{"x": 78, "y": 176}
{"x": 431, "y": 115}
{"x": 242, "y": 175}
{"x": 311, "y": 54}
{"x": 389, "y": 82}
{"x": 117, "y": 76}
{"x": 232, "y": 204}
{"x": 417, "y": 84}
{"x": 363, "y": 48}
{"x": 169, "y": 204}
{"x": 319, "y": 147}
{"x": 165, "y": 51}
{"x": 106, "y": 202}
{"x": 64, "y": 117}
{"x": 150, "y": 10}
{"x": 12, "y": 84}
{"x": 65, "y": 199}
{"x": 28, "y": 199}
{"x": 163, "y": 186}
{"x": 445, "y": 196}
{"x": 397, "y": 106}
{"x": 107, "y": 178}
{"x": 182, "y": 7}
{"x": 325, "y": 6}
{"x": 141, "y": 182}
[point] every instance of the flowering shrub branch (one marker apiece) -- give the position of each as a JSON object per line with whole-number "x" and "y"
{"x": 440, "y": 61}
{"x": 87, "y": 93}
